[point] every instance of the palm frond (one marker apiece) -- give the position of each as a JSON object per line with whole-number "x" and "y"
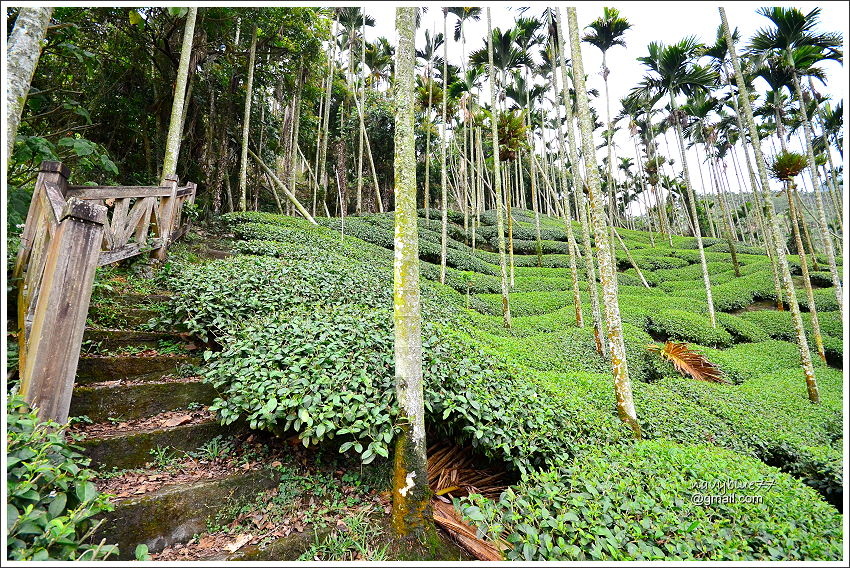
{"x": 688, "y": 362}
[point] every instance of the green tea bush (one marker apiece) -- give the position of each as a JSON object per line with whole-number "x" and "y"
{"x": 213, "y": 298}
{"x": 741, "y": 329}
{"x": 679, "y": 325}
{"x": 648, "y": 502}
{"x": 825, "y": 300}
{"x": 779, "y": 325}
{"x": 738, "y": 293}
{"x": 452, "y": 215}
{"x": 328, "y": 373}
{"x": 820, "y": 278}
{"x": 237, "y": 217}
{"x": 51, "y": 499}
{"x": 649, "y": 259}
{"x": 740, "y": 248}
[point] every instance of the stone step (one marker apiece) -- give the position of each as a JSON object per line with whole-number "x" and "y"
{"x": 133, "y": 448}
{"x": 288, "y": 548}
{"x": 120, "y": 401}
{"x": 114, "y": 339}
{"x": 98, "y": 369}
{"x": 176, "y": 513}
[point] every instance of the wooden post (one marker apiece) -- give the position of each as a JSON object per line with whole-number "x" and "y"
{"x": 47, "y": 379}
{"x": 167, "y": 207}
{"x": 33, "y": 238}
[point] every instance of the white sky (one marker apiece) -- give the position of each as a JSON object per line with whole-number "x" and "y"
{"x": 667, "y": 22}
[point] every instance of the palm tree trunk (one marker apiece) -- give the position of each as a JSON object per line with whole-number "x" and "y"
{"x": 411, "y": 509}
{"x": 444, "y": 198}
{"x": 321, "y": 168}
{"x": 807, "y": 283}
{"x": 172, "y": 148}
{"x": 497, "y": 177}
{"x": 813, "y": 171}
{"x": 572, "y": 247}
{"x": 693, "y": 209}
{"x": 578, "y": 186}
{"x": 246, "y": 124}
{"x": 22, "y": 55}
{"x": 727, "y": 221}
{"x": 619, "y": 365}
{"x": 773, "y": 221}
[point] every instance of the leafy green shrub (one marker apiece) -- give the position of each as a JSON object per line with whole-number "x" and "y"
{"x": 51, "y": 499}
{"x": 825, "y": 300}
{"x": 741, "y": 329}
{"x": 738, "y": 293}
{"x": 740, "y": 248}
{"x": 328, "y": 372}
{"x": 649, "y": 259}
{"x": 452, "y": 215}
{"x": 778, "y": 325}
{"x": 213, "y": 298}
{"x": 680, "y": 325}
{"x": 821, "y": 278}
{"x": 647, "y": 502}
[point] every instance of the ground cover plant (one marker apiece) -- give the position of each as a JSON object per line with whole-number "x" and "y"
{"x": 317, "y": 361}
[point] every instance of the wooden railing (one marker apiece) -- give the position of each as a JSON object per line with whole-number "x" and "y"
{"x": 69, "y": 232}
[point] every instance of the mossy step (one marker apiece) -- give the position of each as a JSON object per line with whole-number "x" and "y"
{"x": 97, "y": 369}
{"x": 112, "y": 339}
{"x": 133, "y": 449}
{"x": 176, "y": 513}
{"x": 140, "y": 300}
{"x": 101, "y": 402}
{"x": 283, "y": 549}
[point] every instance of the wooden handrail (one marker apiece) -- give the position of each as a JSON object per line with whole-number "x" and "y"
{"x": 69, "y": 232}
{"x": 120, "y": 192}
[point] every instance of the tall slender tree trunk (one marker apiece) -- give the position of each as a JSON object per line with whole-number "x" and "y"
{"x": 172, "y": 148}
{"x": 572, "y": 247}
{"x": 321, "y": 168}
{"x": 296, "y": 110}
{"x": 619, "y": 365}
{"x": 773, "y": 221}
{"x": 807, "y": 283}
{"x": 497, "y": 177}
{"x": 22, "y": 54}
{"x": 813, "y": 171}
{"x": 411, "y": 509}
{"x": 759, "y": 202}
{"x": 444, "y": 194}
{"x": 693, "y": 209}
{"x": 584, "y": 219}
{"x": 246, "y": 123}
{"x": 361, "y": 129}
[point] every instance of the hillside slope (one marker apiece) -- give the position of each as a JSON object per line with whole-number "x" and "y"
{"x": 303, "y": 317}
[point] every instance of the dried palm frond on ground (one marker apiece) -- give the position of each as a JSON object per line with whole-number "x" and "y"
{"x": 688, "y": 362}
{"x": 452, "y": 473}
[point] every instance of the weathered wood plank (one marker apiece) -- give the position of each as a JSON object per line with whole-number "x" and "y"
{"x": 119, "y": 221}
{"x": 47, "y": 378}
{"x": 103, "y": 192}
{"x": 126, "y": 251}
{"x": 143, "y": 226}
{"x": 34, "y": 240}
{"x": 133, "y": 218}
{"x": 166, "y": 216}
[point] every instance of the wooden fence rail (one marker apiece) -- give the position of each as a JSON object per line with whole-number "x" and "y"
{"x": 69, "y": 232}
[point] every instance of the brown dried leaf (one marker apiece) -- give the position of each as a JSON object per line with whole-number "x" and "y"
{"x": 688, "y": 362}
{"x": 178, "y": 420}
{"x": 240, "y": 541}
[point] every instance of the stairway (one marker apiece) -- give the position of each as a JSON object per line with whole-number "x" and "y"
{"x": 139, "y": 411}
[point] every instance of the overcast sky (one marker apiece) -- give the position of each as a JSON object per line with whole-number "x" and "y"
{"x": 666, "y": 22}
